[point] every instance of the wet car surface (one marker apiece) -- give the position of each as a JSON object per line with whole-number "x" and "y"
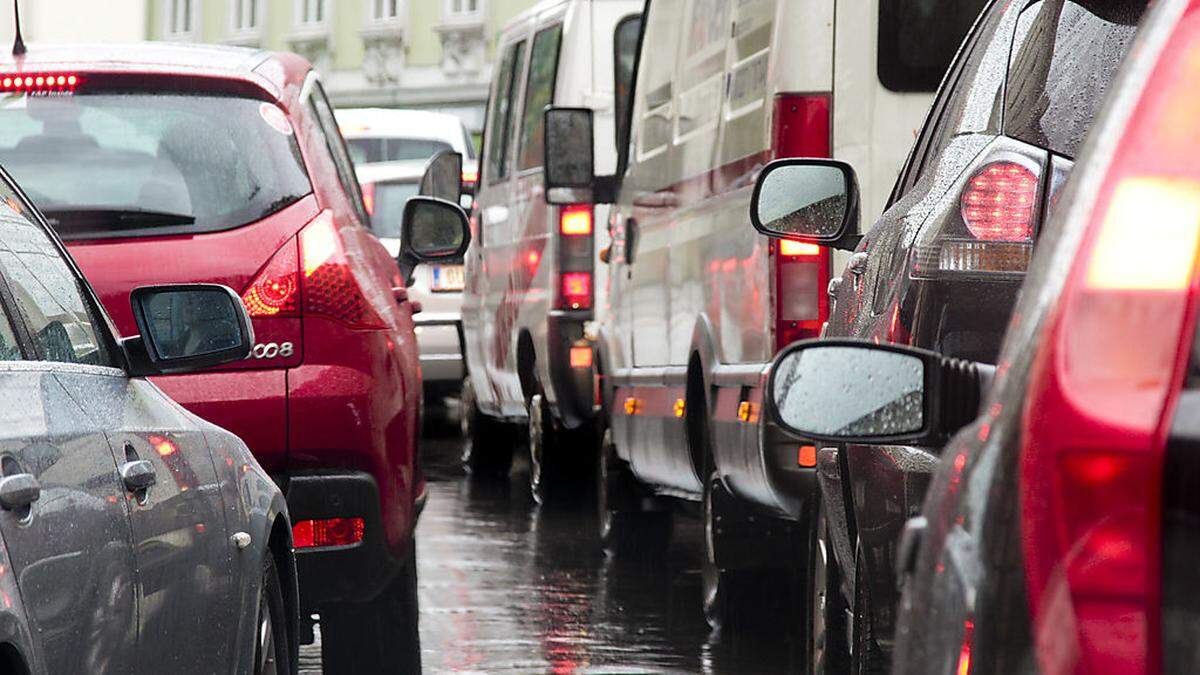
{"x": 508, "y": 587}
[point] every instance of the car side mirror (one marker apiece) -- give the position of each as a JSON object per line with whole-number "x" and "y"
{"x": 187, "y": 327}
{"x": 443, "y": 177}
{"x": 811, "y": 200}
{"x": 849, "y": 391}
{"x": 570, "y": 171}
{"x": 433, "y": 230}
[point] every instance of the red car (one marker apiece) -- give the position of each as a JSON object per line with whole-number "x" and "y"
{"x": 1061, "y": 531}
{"x": 166, "y": 164}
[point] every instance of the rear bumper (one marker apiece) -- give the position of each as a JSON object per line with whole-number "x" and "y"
{"x": 573, "y": 395}
{"x": 354, "y": 573}
{"x": 440, "y": 345}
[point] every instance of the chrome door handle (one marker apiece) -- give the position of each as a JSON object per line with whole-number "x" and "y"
{"x": 858, "y": 263}
{"x": 138, "y": 475}
{"x": 19, "y": 491}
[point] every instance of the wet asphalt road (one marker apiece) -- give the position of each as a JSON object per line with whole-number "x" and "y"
{"x": 509, "y": 587}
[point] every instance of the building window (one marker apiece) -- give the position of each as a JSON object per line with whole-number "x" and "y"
{"x": 462, "y": 8}
{"x": 384, "y": 10}
{"x": 311, "y": 12}
{"x": 180, "y": 17}
{"x": 246, "y": 18}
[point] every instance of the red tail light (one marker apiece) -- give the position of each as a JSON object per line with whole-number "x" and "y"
{"x": 328, "y": 532}
{"x": 801, "y": 129}
{"x": 575, "y": 220}
{"x": 276, "y": 289}
{"x": 329, "y": 286}
{"x": 44, "y": 83}
{"x": 576, "y": 290}
{"x": 368, "y": 193}
{"x": 999, "y": 202}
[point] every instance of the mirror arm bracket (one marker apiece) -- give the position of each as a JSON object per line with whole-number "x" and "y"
{"x": 137, "y": 358}
{"x": 964, "y": 384}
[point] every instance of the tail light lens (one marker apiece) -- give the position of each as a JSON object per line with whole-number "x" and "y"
{"x": 328, "y": 532}
{"x": 575, "y": 220}
{"x": 999, "y": 201}
{"x": 576, "y": 290}
{"x": 801, "y": 128}
{"x": 329, "y": 286}
{"x": 276, "y": 290}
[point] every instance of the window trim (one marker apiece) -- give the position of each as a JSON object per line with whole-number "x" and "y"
{"x": 377, "y": 19}
{"x": 236, "y": 14}
{"x": 171, "y": 13}
{"x": 300, "y": 19}
{"x": 450, "y": 14}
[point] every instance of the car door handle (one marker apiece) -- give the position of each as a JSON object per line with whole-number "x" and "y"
{"x": 858, "y": 263}
{"x": 138, "y": 475}
{"x": 910, "y": 544}
{"x": 400, "y": 293}
{"x": 19, "y": 491}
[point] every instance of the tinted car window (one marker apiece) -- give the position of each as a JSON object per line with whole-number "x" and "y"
{"x": 210, "y": 162}
{"x": 918, "y": 39}
{"x": 10, "y": 349}
{"x": 321, "y": 108}
{"x": 500, "y": 132}
{"x": 543, "y": 66}
{"x": 47, "y": 291}
{"x": 1059, "y": 76}
{"x": 390, "y": 199}
{"x": 363, "y": 150}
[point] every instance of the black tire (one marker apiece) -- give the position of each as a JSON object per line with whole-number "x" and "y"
{"x": 379, "y": 636}
{"x": 827, "y": 651}
{"x": 865, "y": 658}
{"x": 728, "y": 595}
{"x": 272, "y": 643}
{"x": 626, "y": 526}
{"x": 542, "y": 464}
{"x": 488, "y": 445}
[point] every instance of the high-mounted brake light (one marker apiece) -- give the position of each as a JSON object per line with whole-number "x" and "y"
{"x": 276, "y": 289}
{"x": 328, "y": 532}
{"x": 999, "y": 202}
{"x": 575, "y": 220}
{"x": 329, "y": 287}
{"x": 40, "y": 83}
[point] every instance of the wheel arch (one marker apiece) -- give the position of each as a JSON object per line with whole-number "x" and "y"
{"x": 279, "y": 546}
{"x": 698, "y": 397}
{"x": 527, "y": 365}
{"x": 11, "y": 660}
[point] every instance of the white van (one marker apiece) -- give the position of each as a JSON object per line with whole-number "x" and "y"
{"x": 698, "y": 301}
{"x": 532, "y": 278}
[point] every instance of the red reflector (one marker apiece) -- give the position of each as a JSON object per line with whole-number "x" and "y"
{"x": 328, "y": 532}
{"x": 581, "y": 357}
{"x": 575, "y": 220}
{"x": 368, "y": 192}
{"x": 330, "y": 287}
{"x": 276, "y": 289}
{"x": 577, "y": 290}
{"x": 999, "y": 201}
{"x": 801, "y": 127}
{"x": 40, "y": 83}
{"x": 807, "y": 457}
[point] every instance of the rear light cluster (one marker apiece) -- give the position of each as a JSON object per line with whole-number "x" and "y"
{"x": 318, "y": 280}
{"x": 999, "y": 211}
{"x": 328, "y": 532}
{"x": 40, "y": 83}
{"x": 801, "y": 271}
{"x": 575, "y": 235}
{"x": 368, "y": 193}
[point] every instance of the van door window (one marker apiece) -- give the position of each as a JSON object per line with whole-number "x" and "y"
{"x": 499, "y": 134}
{"x": 655, "y": 87}
{"x": 919, "y": 38}
{"x": 1058, "y": 78}
{"x": 543, "y": 68}
{"x": 625, "y": 48}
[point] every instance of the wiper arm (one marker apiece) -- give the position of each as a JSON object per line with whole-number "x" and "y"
{"x": 111, "y": 217}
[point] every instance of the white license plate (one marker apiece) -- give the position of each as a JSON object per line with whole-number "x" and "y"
{"x": 447, "y": 278}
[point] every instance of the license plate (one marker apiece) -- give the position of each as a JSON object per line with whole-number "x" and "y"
{"x": 447, "y": 279}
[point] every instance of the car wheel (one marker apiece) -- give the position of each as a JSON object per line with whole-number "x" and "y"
{"x": 272, "y": 648}
{"x": 625, "y": 524}
{"x": 379, "y": 636}
{"x": 827, "y": 624}
{"x": 726, "y": 593}
{"x": 488, "y": 443}
{"x": 865, "y": 658}
{"x": 541, "y": 434}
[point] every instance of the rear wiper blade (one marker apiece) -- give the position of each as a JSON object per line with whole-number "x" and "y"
{"x": 119, "y": 217}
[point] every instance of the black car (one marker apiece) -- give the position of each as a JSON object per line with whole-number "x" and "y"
{"x": 942, "y": 266}
{"x": 133, "y": 534}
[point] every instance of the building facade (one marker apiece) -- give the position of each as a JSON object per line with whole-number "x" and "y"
{"x": 60, "y": 21}
{"x": 428, "y": 54}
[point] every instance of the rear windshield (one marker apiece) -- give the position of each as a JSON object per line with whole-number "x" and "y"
{"x": 366, "y": 150}
{"x": 389, "y": 207}
{"x": 128, "y": 164}
{"x": 919, "y": 38}
{"x": 1064, "y": 57}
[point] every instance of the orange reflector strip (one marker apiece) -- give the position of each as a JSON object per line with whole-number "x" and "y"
{"x": 680, "y": 407}
{"x": 747, "y": 412}
{"x": 632, "y": 406}
{"x": 807, "y": 456}
{"x": 790, "y": 248}
{"x": 581, "y": 357}
{"x": 1130, "y": 254}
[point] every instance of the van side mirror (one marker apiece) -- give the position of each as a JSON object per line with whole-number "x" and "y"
{"x": 443, "y": 177}
{"x": 570, "y": 156}
{"x": 433, "y": 230}
{"x": 850, "y": 391}
{"x": 187, "y": 327}
{"x": 812, "y": 200}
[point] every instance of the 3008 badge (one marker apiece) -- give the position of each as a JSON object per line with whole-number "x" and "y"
{"x": 270, "y": 350}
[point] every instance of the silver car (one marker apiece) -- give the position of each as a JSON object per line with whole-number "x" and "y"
{"x": 134, "y": 534}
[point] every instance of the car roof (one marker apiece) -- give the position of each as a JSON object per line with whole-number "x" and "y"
{"x": 379, "y": 172}
{"x": 273, "y": 71}
{"x": 400, "y": 123}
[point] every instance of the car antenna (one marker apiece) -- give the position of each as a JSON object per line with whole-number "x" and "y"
{"x": 18, "y": 43}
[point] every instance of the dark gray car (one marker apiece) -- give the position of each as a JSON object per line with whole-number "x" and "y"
{"x": 136, "y": 536}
